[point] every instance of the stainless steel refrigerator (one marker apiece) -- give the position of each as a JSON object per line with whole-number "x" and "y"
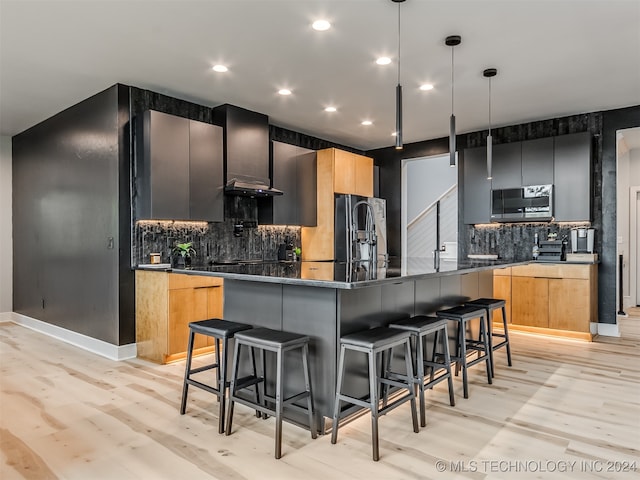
{"x": 361, "y": 230}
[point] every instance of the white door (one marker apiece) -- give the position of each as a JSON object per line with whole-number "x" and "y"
{"x": 428, "y": 183}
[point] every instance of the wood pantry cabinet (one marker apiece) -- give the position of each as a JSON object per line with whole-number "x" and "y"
{"x": 557, "y": 299}
{"x": 165, "y": 305}
{"x": 337, "y": 172}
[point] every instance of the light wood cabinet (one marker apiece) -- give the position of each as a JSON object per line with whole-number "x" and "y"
{"x": 502, "y": 289}
{"x": 337, "y": 172}
{"x": 530, "y": 301}
{"x": 165, "y": 305}
{"x": 559, "y": 299}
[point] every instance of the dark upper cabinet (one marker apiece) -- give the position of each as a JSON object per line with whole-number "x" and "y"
{"x": 178, "y": 168}
{"x": 506, "y": 165}
{"x": 537, "y": 161}
{"x": 572, "y": 177}
{"x": 476, "y": 187}
{"x": 294, "y": 174}
{"x": 206, "y": 187}
{"x": 564, "y": 161}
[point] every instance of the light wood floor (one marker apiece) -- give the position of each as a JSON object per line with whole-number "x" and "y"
{"x": 566, "y": 409}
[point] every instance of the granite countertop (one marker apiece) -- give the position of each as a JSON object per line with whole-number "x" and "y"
{"x": 337, "y": 274}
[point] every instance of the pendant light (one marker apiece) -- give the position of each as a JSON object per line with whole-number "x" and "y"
{"x": 452, "y": 41}
{"x": 398, "y": 89}
{"x": 488, "y": 73}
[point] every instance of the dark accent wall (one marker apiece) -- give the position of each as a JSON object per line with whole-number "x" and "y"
{"x": 601, "y": 125}
{"x": 283, "y": 135}
{"x": 70, "y": 220}
{"x": 612, "y": 121}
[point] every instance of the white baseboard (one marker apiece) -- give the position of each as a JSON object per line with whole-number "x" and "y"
{"x": 608, "y": 329}
{"x": 99, "y": 347}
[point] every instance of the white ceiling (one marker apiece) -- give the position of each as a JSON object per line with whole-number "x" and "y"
{"x": 554, "y": 58}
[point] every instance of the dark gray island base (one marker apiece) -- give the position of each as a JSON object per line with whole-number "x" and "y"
{"x": 327, "y": 310}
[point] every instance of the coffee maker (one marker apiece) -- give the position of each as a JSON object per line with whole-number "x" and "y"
{"x": 582, "y": 240}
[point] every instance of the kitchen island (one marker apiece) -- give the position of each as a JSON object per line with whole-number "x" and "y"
{"x": 327, "y": 300}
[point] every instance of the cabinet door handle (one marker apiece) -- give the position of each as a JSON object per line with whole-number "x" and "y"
{"x": 207, "y": 286}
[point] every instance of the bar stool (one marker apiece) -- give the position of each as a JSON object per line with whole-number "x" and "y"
{"x": 373, "y": 342}
{"x": 463, "y": 315}
{"x": 420, "y": 326}
{"x": 491, "y": 304}
{"x": 279, "y": 342}
{"x": 221, "y": 331}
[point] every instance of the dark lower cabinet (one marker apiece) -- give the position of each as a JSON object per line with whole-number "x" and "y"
{"x": 476, "y": 186}
{"x": 179, "y": 173}
{"x": 572, "y": 177}
{"x": 294, "y": 174}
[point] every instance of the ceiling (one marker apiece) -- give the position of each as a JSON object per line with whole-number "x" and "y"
{"x": 554, "y": 58}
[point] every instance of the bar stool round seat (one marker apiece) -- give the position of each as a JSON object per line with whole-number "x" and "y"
{"x": 420, "y": 326}
{"x": 491, "y": 304}
{"x": 278, "y": 342}
{"x": 373, "y": 342}
{"x": 463, "y": 315}
{"x": 221, "y": 331}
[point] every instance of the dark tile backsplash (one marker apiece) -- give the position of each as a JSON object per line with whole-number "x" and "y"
{"x": 215, "y": 241}
{"x": 514, "y": 241}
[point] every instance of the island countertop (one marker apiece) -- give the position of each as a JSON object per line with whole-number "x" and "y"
{"x": 339, "y": 275}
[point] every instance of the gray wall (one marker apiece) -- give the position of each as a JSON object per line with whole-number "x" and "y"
{"x": 6, "y": 229}
{"x": 66, "y": 214}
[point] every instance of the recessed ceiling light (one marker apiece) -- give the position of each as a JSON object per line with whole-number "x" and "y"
{"x": 284, "y": 91}
{"x": 330, "y": 109}
{"x": 383, "y": 61}
{"x": 426, "y": 86}
{"x": 219, "y": 68}
{"x": 394, "y": 134}
{"x": 321, "y": 25}
{"x": 367, "y": 122}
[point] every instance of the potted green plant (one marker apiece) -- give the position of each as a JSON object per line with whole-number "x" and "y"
{"x": 182, "y": 254}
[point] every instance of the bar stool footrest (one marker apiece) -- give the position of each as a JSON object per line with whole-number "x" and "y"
{"x": 203, "y": 386}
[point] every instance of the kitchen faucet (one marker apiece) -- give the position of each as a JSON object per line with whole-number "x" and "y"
{"x": 364, "y": 242}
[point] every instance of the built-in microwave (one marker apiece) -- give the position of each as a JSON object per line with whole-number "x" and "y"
{"x": 522, "y": 204}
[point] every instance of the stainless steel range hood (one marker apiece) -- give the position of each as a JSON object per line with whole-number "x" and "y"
{"x": 250, "y": 189}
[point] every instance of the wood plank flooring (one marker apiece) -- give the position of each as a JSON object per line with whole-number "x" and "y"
{"x": 566, "y": 409}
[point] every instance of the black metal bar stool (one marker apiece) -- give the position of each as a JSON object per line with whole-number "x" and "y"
{"x": 491, "y": 304}
{"x": 463, "y": 315}
{"x": 420, "y": 326}
{"x": 221, "y": 331}
{"x": 279, "y": 342}
{"x": 373, "y": 342}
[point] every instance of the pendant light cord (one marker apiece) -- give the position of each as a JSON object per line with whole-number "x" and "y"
{"x": 398, "y": 43}
{"x": 489, "y": 105}
{"x": 452, "y": 49}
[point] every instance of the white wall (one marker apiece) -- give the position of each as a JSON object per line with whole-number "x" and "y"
{"x": 6, "y": 229}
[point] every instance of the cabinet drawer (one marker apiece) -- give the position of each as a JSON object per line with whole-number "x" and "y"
{"x": 179, "y": 280}
{"x": 553, "y": 270}
{"x": 500, "y": 272}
